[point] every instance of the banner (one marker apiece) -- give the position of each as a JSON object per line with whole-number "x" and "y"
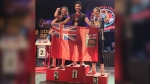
{"x": 75, "y": 43}
{"x": 42, "y": 28}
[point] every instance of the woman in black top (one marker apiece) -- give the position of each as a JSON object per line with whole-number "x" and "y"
{"x": 58, "y": 18}
{"x": 78, "y": 19}
{"x": 99, "y": 23}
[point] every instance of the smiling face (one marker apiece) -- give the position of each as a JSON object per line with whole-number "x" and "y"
{"x": 64, "y": 11}
{"x": 96, "y": 12}
{"x": 78, "y": 7}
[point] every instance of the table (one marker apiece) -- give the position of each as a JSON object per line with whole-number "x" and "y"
{"x": 41, "y": 50}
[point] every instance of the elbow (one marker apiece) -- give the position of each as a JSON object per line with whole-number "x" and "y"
{"x": 52, "y": 24}
{"x": 55, "y": 16}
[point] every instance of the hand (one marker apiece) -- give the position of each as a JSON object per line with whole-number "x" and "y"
{"x": 58, "y": 9}
{"x": 106, "y": 11}
{"x": 47, "y": 40}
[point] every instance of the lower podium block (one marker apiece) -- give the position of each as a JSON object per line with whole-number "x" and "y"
{"x": 76, "y": 73}
{"x": 55, "y": 74}
{"x": 96, "y": 79}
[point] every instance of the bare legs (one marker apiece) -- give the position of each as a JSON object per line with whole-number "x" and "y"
{"x": 93, "y": 70}
{"x": 74, "y": 63}
{"x": 54, "y": 63}
{"x": 82, "y": 64}
{"x": 62, "y": 66}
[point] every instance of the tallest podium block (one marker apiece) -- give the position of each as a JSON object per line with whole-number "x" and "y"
{"x": 76, "y": 73}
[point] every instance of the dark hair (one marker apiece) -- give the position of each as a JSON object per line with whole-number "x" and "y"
{"x": 78, "y": 2}
{"x": 97, "y": 8}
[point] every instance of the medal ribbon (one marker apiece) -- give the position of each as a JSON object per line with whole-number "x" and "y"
{"x": 76, "y": 17}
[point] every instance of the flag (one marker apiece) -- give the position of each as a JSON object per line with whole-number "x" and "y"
{"x": 75, "y": 43}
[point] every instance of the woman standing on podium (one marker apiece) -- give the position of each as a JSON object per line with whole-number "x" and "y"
{"x": 58, "y": 18}
{"x": 98, "y": 21}
{"x": 78, "y": 19}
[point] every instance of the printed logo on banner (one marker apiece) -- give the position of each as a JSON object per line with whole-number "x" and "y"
{"x": 111, "y": 16}
{"x": 91, "y": 40}
{"x": 44, "y": 23}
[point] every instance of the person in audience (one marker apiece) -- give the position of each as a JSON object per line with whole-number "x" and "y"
{"x": 113, "y": 46}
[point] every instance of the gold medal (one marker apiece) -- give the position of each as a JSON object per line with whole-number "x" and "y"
{"x": 97, "y": 24}
{"x": 76, "y": 23}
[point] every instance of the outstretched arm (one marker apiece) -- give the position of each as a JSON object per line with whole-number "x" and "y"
{"x": 89, "y": 22}
{"x": 54, "y": 21}
{"x": 66, "y": 21}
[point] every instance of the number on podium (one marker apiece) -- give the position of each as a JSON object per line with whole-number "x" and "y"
{"x": 74, "y": 74}
{"x": 41, "y": 51}
{"x": 56, "y": 75}
{"x": 95, "y": 80}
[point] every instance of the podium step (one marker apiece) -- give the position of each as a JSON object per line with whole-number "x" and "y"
{"x": 40, "y": 70}
{"x": 96, "y": 78}
{"x": 76, "y": 73}
{"x": 55, "y": 74}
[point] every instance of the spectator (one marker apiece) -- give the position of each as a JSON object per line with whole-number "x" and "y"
{"x": 113, "y": 46}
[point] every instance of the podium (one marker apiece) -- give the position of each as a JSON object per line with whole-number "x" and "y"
{"x": 56, "y": 74}
{"x": 75, "y": 74}
{"x": 96, "y": 78}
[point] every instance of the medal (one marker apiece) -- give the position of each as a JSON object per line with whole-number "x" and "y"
{"x": 97, "y": 22}
{"x": 76, "y": 23}
{"x": 76, "y": 19}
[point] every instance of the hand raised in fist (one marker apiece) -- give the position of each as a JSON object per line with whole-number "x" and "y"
{"x": 58, "y": 9}
{"x": 106, "y": 11}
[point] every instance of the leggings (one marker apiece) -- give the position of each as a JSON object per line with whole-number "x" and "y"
{"x": 100, "y": 49}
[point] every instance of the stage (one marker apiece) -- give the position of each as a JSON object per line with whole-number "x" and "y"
{"x": 75, "y": 40}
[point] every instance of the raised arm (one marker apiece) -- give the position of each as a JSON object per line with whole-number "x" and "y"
{"x": 56, "y": 14}
{"x": 89, "y": 22}
{"x": 66, "y": 21}
{"x": 107, "y": 16}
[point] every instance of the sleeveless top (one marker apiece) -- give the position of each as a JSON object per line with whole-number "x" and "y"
{"x": 63, "y": 19}
{"x": 81, "y": 19}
